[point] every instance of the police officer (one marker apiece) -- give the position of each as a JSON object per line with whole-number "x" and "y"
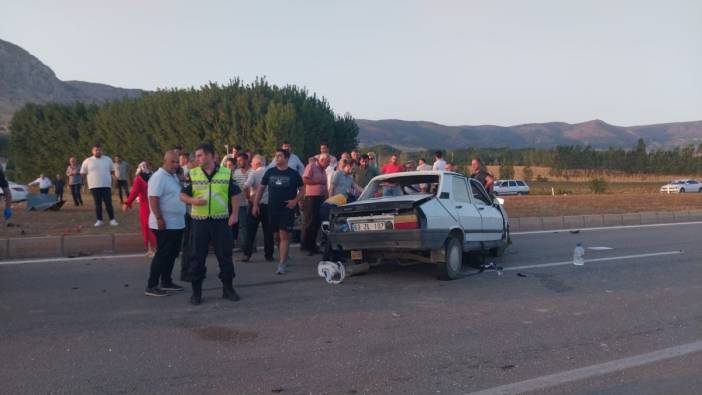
{"x": 209, "y": 189}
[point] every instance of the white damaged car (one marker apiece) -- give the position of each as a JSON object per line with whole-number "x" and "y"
{"x": 436, "y": 218}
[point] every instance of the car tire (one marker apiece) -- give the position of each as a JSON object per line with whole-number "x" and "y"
{"x": 450, "y": 269}
{"x": 499, "y": 251}
{"x": 699, "y": 190}
{"x": 682, "y": 190}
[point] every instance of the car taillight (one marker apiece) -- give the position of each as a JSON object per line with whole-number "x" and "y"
{"x": 406, "y": 221}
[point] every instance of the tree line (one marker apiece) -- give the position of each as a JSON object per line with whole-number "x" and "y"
{"x": 638, "y": 159}
{"x": 258, "y": 116}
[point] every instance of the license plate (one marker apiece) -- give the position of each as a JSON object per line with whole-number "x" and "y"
{"x": 367, "y": 226}
{"x": 356, "y": 255}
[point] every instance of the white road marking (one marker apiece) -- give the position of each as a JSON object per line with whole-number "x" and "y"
{"x": 611, "y": 258}
{"x": 84, "y": 258}
{"x": 599, "y": 248}
{"x": 536, "y": 232}
{"x": 601, "y": 369}
{"x": 77, "y": 259}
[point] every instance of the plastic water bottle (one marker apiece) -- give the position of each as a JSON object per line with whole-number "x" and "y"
{"x": 578, "y": 254}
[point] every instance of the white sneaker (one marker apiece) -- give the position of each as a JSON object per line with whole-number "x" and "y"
{"x": 99, "y": 224}
{"x": 113, "y": 222}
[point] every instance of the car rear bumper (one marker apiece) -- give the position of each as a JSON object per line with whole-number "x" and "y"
{"x": 410, "y": 239}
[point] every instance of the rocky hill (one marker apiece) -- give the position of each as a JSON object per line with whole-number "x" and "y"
{"x": 25, "y": 79}
{"x": 411, "y": 135}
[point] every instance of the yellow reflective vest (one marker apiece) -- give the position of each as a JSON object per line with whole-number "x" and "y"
{"x": 215, "y": 191}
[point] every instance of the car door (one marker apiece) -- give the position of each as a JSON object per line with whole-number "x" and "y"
{"x": 468, "y": 215}
{"x": 692, "y": 186}
{"x": 492, "y": 221}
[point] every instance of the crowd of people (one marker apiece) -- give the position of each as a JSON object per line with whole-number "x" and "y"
{"x": 194, "y": 201}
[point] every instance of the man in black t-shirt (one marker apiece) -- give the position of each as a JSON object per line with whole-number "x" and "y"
{"x": 480, "y": 174}
{"x": 284, "y": 193}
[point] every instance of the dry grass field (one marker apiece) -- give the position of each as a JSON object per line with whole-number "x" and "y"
{"x": 611, "y": 203}
{"x": 586, "y": 175}
{"x": 621, "y": 198}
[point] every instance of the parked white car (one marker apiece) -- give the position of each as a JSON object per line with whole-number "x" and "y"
{"x": 437, "y": 217}
{"x": 682, "y": 186}
{"x": 510, "y": 187}
{"x": 19, "y": 192}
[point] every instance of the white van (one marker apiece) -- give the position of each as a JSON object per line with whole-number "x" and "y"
{"x": 511, "y": 187}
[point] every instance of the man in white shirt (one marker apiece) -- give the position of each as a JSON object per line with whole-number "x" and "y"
{"x": 99, "y": 169}
{"x": 324, "y": 149}
{"x": 44, "y": 184}
{"x": 240, "y": 175}
{"x": 167, "y": 221}
{"x": 252, "y": 182}
{"x": 422, "y": 165}
{"x": 439, "y": 163}
{"x": 294, "y": 161}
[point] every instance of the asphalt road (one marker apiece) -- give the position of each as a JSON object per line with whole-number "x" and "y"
{"x": 85, "y": 326}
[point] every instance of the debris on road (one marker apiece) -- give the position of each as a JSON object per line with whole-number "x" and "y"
{"x": 578, "y": 254}
{"x": 575, "y": 231}
{"x": 521, "y": 275}
{"x": 333, "y": 272}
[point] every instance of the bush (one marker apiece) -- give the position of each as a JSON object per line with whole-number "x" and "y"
{"x": 528, "y": 173}
{"x": 506, "y": 171}
{"x": 598, "y": 185}
{"x": 540, "y": 178}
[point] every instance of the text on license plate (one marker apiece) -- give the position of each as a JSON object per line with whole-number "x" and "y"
{"x": 367, "y": 226}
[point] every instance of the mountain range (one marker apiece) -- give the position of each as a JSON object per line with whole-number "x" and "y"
{"x": 25, "y": 79}
{"x": 416, "y": 135}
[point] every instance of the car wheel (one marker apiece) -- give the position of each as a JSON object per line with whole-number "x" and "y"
{"x": 682, "y": 190}
{"x": 699, "y": 191}
{"x": 450, "y": 269}
{"x": 499, "y": 251}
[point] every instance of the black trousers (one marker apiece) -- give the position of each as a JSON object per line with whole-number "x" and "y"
{"x": 219, "y": 233}
{"x": 186, "y": 251}
{"x": 311, "y": 221}
{"x": 44, "y": 191}
{"x": 103, "y": 195}
{"x": 253, "y": 229}
{"x": 122, "y": 185}
{"x": 75, "y": 192}
{"x": 167, "y": 250}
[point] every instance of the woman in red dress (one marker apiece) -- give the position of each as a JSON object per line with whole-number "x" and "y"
{"x": 140, "y": 189}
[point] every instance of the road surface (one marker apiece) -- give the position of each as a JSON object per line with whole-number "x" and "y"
{"x": 628, "y": 321}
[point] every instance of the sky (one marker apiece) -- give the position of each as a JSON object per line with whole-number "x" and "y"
{"x": 450, "y": 62}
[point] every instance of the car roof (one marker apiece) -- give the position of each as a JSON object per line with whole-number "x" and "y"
{"x": 416, "y": 173}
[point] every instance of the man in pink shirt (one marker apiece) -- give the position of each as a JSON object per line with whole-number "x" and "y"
{"x": 315, "y": 180}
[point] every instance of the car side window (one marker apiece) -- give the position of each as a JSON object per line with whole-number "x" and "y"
{"x": 460, "y": 192}
{"x": 479, "y": 194}
{"x": 521, "y": 183}
{"x": 512, "y": 184}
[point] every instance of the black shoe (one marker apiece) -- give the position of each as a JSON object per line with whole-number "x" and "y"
{"x": 269, "y": 259}
{"x": 228, "y": 291}
{"x": 172, "y": 287}
{"x": 196, "y": 298}
{"x": 230, "y": 294}
{"x": 155, "y": 292}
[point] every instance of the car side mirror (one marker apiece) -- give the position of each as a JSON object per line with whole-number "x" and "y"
{"x": 500, "y": 201}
